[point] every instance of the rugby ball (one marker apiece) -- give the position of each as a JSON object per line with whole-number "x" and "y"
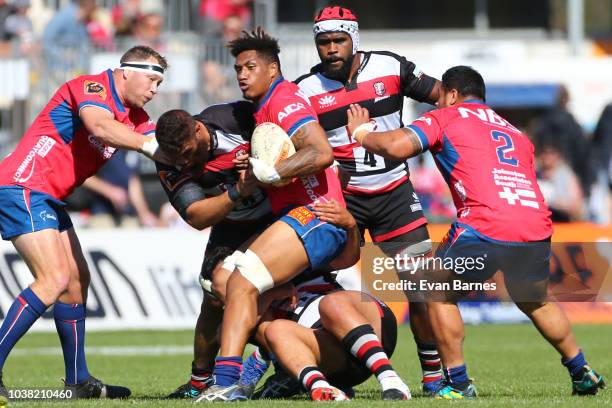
{"x": 271, "y": 144}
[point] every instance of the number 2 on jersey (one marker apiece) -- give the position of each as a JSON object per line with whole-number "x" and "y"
{"x": 503, "y": 151}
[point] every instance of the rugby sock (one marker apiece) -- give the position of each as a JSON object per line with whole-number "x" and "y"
{"x": 70, "y": 325}
{"x": 430, "y": 362}
{"x": 199, "y": 376}
{"x": 22, "y": 314}
{"x": 574, "y": 365}
{"x": 362, "y": 343}
{"x": 457, "y": 377}
{"x": 227, "y": 370}
{"x": 254, "y": 368}
{"x": 311, "y": 378}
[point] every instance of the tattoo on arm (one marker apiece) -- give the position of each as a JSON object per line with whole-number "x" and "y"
{"x": 304, "y": 161}
{"x": 415, "y": 143}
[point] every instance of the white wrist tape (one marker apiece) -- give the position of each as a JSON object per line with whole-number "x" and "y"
{"x": 254, "y": 270}
{"x": 149, "y": 147}
{"x": 362, "y": 131}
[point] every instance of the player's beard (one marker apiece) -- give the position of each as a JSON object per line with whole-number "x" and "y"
{"x": 340, "y": 74}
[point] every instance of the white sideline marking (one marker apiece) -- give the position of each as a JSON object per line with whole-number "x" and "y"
{"x": 168, "y": 350}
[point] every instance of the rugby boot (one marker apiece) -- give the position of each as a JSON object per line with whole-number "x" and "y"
{"x": 447, "y": 391}
{"x": 398, "y": 390}
{"x": 588, "y": 382}
{"x": 94, "y": 388}
{"x": 218, "y": 393}
{"x": 191, "y": 389}
{"x": 327, "y": 394}
{"x": 278, "y": 385}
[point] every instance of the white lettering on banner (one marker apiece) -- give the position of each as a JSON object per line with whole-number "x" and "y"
{"x": 140, "y": 279}
{"x": 289, "y": 109}
{"x": 41, "y": 148}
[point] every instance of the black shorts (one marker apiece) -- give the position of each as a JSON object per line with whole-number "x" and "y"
{"x": 356, "y": 372}
{"x": 389, "y": 214}
{"x": 232, "y": 235}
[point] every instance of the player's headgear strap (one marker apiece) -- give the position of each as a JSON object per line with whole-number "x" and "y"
{"x": 338, "y": 18}
{"x": 143, "y": 66}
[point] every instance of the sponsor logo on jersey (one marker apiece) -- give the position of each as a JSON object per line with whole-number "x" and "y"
{"x": 302, "y": 215}
{"x": 300, "y": 93}
{"x": 460, "y": 190}
{"x": 327, "y": 101}
{"x": 106, "y": 151}
{"x": 41, "y": 149}
{"x": 379, "y": 88}
{"x": 44, "y": 215}
{"x": 424, "y": 119}
{"x": 172, "y": 179}
{"x": 416, "y": 206}
{"x": 289, "y": 109}
{"x": 94, "y": 88}
{"x": 310, "y": 183}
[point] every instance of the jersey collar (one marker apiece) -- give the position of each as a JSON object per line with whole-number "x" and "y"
{"x": 116, "y": 98}
{"x": 269, "y": 93}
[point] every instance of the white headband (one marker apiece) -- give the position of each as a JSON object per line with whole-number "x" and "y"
{"x": 345, "y": 26}
{"x": 146, "y": 67}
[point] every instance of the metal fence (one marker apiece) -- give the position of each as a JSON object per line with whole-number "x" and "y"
{"x": 200, "y": 74}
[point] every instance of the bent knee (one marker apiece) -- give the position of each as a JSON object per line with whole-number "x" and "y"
{"x": 332, "y": 306}
{"x": 276, "y": 332}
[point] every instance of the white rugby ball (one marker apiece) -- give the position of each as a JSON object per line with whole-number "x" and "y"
{"x": 271, "y": 144}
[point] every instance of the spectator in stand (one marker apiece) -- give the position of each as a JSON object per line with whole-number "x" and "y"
{"x": 118, "y": 196}
{"x": 125, "y": 14}
{"x": 601, "y": 200}
{"x": 559, "y": 123}
{"x": 69, "y": 25}
{"x": 214, "y": 13}
{"x": 148, "y": 31}
{"x": 66, "y": 39}
{"x": 217, "y": 69}
{"x": 18, "y": 26}
{"x": 5, "y": 11}
{"x": 559, "y": 184}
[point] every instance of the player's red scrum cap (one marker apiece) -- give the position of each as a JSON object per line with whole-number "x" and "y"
{"x": 336, "y": 18}
{"x": 335, "y": 13}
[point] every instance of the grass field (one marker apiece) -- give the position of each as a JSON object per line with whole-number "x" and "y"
{"x": 511, "y": 365}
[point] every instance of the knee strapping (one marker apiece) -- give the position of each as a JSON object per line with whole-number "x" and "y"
{"x": 254, "y": 270}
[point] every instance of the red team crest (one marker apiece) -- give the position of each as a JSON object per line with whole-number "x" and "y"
{"x": 94, "y": 88}
{"x": 379, "y": 88}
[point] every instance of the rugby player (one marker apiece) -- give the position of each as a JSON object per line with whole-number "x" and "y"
{"x": 483, "y": 159}
{"x": 76, "y": 133}
{"x": 210, "y": 190}
{"x": 379, "y": 193}
{"x": 341, "y": 338}
{"x": 299, "y": 240}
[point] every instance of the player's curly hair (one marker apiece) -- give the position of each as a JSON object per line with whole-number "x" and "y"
{"x": 173, "y": 129}
{"x": 266, "y": 46}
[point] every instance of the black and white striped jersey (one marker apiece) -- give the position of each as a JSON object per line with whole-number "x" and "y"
{"x": 380, "y": 84}
{"x": 230, "y": 126}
